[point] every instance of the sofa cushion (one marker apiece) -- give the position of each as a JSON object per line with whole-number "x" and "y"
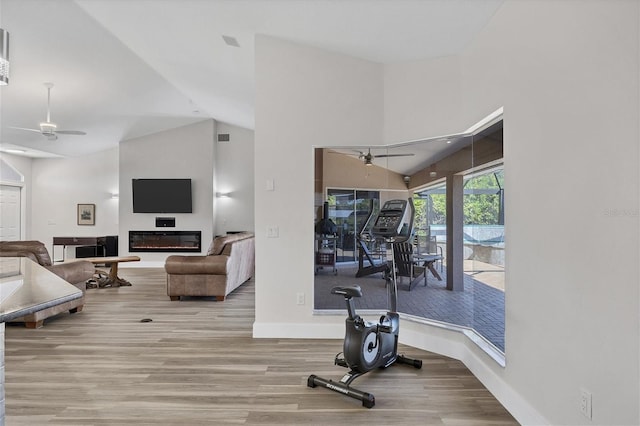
{"x": 218, "y": 243}
{"x": 216, "y": 265}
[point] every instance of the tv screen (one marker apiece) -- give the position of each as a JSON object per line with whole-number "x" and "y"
{"x": 161, "y": 195}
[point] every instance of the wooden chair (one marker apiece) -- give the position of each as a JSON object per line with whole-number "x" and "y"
{"x": 405, "y": 265}
{"x": 434, "y": 248}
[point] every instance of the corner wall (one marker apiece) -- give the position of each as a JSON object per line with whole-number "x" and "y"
{"x": 58, "y": 185}
{"x": 304, "y": 97}
{"x": 234, "y": 174}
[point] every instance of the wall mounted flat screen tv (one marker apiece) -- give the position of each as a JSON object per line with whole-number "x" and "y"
{"x": 161, "y": 195}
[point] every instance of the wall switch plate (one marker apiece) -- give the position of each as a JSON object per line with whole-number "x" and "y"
{"x": 300, "y": 298}
{"x": 585, "y": 403}
{"x": 270, "y": 185}
{"x": 273, "y": 231}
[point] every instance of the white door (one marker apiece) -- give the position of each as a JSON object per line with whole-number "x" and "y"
{"x": 9, "y": 213}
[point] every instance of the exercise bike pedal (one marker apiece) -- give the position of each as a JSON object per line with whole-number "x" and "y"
{"x": 341, "y": 362}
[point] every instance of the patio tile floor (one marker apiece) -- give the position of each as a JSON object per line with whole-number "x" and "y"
{"x": 479, "y": 306}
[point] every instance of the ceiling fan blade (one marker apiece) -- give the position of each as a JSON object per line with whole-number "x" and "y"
{"x": 24, "y": 128}
{"x": 395, "y": 155}
{"x": 71, "y": 132}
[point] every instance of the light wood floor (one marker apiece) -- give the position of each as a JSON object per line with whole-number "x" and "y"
{"x": 197, "y": 364}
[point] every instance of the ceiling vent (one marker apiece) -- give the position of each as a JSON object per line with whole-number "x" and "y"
{"x": 230, "y": 41}
{"x": 223, "y": 137}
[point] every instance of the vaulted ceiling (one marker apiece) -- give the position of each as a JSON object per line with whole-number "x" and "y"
{"x": 126, "y": 68}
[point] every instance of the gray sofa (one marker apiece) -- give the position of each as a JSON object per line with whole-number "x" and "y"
{"x": 229, "y": 262}
{"x": 76, "y": 273}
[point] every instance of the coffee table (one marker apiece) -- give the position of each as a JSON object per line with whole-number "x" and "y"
{"x": 111, "y": 279}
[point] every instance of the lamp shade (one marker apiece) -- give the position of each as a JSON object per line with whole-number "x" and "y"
{"x": 4, "y": 57}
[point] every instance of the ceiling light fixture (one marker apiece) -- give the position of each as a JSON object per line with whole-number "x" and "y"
{"x": 4, "y": 57}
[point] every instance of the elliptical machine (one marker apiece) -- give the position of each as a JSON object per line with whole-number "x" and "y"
{"x": 369, "y": 345}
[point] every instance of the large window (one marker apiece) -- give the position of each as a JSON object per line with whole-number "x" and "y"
{"x": 458, "y": 187}
{"x": 484, "y": 247}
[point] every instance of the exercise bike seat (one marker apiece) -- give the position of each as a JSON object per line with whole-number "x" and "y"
{"x": 347, "y": 291}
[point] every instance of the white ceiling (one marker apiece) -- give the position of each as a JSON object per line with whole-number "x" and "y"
{"x": 126, "y": 68}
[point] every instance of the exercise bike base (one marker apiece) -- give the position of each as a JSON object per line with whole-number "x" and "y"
{"x": 368, "y": 400}
{"x": 416, "y": 363}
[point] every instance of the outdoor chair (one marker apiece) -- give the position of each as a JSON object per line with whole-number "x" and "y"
{"x": 405, "y": 264}
{"x": 434, "y": 248}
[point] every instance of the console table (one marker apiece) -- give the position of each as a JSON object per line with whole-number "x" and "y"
{"x": 26, "y": 287}
{"x": 78, "y": 241}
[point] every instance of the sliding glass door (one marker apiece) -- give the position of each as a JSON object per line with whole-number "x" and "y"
{"x": 349, "y": 209}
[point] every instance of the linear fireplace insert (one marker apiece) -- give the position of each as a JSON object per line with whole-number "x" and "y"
{"x": 165, "y": 241}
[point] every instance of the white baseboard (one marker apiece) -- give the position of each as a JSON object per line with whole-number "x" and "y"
{"x": 297, "y": 331}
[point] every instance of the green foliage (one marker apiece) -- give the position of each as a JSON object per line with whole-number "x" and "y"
{"x": 479, "y": 209}
{"x": 483, "y": 209}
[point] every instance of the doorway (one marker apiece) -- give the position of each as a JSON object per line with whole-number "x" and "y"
{"x": 10, "y": 213}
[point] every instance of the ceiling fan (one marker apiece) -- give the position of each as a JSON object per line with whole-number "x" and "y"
{"x": 48, "y": 128}
{"x": 368, "y": 157}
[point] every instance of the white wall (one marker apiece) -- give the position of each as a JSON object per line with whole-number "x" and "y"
{"x": 58, "y": 185}
{"x": 567, "y": 76}
{"x": 571, "y": 108}
{"x": 234, "y": 175}
{"x": 409, "y": 95}
{"x": 304, "y": 97}
{"x": 183, "y": 152}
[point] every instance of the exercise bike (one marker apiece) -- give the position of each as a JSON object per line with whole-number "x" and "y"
{"x": 369, "y": 345}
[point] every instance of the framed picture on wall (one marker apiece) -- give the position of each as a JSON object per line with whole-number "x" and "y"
{"x": 86, "y": 214}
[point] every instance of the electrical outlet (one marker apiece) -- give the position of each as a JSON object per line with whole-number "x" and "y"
{"x": 585, "y": 403}
{"x": 300, "y": 298}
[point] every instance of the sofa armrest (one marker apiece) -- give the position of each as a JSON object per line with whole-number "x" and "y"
{"x": 18, "y": 253}
{"x": 74, "y": 272}
{"x": 194, "y": 265}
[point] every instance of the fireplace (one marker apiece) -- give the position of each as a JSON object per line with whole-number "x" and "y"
{"x": 165, "y": 241}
